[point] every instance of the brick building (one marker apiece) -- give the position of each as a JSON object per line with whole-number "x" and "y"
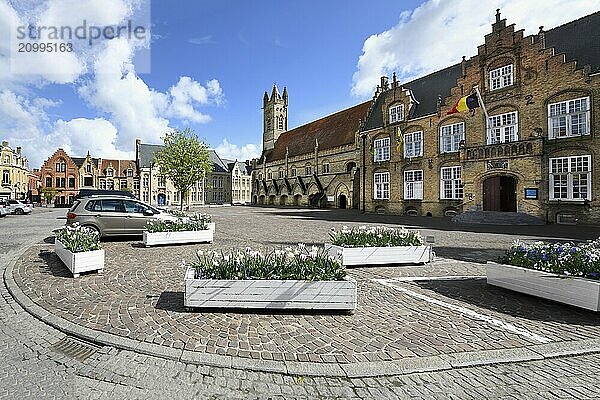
{"x": 60, "y": 172}
{"x": 537, "y": 154}
{"x": 314, "y": 164}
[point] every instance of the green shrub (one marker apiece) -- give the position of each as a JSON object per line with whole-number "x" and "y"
{"x": 297, "y": 263}
{"x": 378, "y": 236}
{"x": 195, "y": 222}
{"x": 561, "y": 258}
{"x": 78, "y": 238}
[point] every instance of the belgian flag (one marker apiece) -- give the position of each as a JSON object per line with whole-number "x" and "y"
{"x": 466, "y": 103}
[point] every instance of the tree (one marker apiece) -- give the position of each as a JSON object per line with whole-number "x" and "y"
{"x": 184, "y": 160}
{"x": 48, "y": 193}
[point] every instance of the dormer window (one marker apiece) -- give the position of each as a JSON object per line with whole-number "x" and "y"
{"x": 109, "y": 172}
{"x": 396, "y": 113}
{"x": 129, "y": 172}
{"x": 501, "y": 77}
{"x": 88, "y": 168}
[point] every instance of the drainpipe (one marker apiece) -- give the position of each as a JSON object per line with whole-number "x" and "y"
{"x": 364, "y": 172}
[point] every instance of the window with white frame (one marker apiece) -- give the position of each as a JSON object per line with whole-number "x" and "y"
{"x": 569, "y": 118}
{"x": 381, "y": 149}
{"x": 109, "y": 172}
{"x": 381, "y": 185}
{"x": 501, "y": 77}
{"x": 413, "y": 144}
{"x": 129, "y": 172}
{"x": 396, "y": 113}
{"x": 571, "y": 178}
{"x": 413, "y": 185}
{"x": 88, "y": 168}
{"x": 503, "y": 128}
{"x": 451, "y": 136}
{"x": 451, "y": 183}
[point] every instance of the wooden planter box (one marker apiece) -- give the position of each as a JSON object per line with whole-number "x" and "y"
{"x": 578, "y": 292}
{"x": 381, "y": 255}
{"x": 80, "y": 262}
{"x": 269, "y": 294}
{"x": 157, "y": 238}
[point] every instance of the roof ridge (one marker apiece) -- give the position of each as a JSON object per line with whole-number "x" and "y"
{"x": 573, "y": 21}
{"x": 327, "y": 116}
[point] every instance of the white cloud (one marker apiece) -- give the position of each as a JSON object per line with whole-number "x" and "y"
{"x": 105, "y": 77}
{"x": 438, "y": 33}
{"x": 137, "y": 110}
{"x": 234, "y": 152}
{"x": 25, "y": 123}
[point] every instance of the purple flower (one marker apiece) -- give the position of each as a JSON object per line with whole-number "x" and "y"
{"x": 573, "y": 249}
{"x": 544, "y": 257}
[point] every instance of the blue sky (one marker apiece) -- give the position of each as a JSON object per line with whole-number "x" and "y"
{"x": 212, "y": 61}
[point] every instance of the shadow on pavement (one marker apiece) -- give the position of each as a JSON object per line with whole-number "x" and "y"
{"x": 52, "y": 265}
{"x": 576, "y": 232}
{"x": 477, "y": 292}
{"x": 173, "y": 301}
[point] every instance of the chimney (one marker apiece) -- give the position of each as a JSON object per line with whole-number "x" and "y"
{"x": 384, "y": 83}
{"x": 394, "y": 81}
{"x": 542, "y": 37}
{"x": 19, "y": 150}
{"x": 463, "y": 66}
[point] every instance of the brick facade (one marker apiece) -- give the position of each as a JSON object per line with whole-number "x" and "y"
{"x": 494, "y": 176}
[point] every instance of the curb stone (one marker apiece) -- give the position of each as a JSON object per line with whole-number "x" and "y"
{"x": 410, "y": 365}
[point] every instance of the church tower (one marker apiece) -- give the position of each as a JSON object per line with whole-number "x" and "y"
{"x": 275, "y": 117}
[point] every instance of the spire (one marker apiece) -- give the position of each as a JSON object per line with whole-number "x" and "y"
{"x": 285, "y": 95}
{"x": 265, "y": 98}
{"x": 275, "y": 93}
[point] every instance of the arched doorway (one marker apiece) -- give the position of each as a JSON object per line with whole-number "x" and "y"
{"x": 283, "y": 200}
{"x": 261, "y": 199}
{"x": 500, "y": 194}
{"x": 342, "y": 201}
{"x": 297, "y": 199}
{"x": 161, "y": 199}
{"x": 272, "y": 200}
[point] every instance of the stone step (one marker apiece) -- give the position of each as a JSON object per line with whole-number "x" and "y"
{"x": 497, "y": 218}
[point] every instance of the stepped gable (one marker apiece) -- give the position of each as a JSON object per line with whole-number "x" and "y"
{"x": 425, "y": 90}
{"x": 579, "y": 40}
{"x": 332, "y": 131}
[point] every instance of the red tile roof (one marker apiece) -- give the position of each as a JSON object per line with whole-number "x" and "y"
{"x": 331, "y": 131}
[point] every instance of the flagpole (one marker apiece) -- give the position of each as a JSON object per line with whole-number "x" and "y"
{"x": 487, "y": 117}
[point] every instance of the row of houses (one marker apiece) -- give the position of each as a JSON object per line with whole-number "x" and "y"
{"x": 18, "y": 181}
{"x": 534, "y": 150}
{"x": 63, "y": 176}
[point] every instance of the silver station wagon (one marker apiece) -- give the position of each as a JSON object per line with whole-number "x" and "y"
{"x": 114, "y": 215}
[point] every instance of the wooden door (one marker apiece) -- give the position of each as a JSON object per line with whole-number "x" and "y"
{"x": 491, "y": 194}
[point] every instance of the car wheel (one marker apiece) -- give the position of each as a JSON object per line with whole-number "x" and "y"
{"x": 19, "y": 211}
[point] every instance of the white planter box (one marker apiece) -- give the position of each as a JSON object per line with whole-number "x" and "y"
{"x": 381, "y": 255}
{"x": 80, "y": 262}
{"x": 156, "y": 238}
{"x": 579, "y": 292}
{"x": 278, "y": 294}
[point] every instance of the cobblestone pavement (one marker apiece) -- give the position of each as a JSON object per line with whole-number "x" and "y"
{"x": 40, "y": 362}
{"x": 140, "y": 296}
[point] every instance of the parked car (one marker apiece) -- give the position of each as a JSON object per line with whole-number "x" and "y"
{"x": 98, "y": 192}
{"x": 17, "y": 207}
{"x": 114, "y": 215}
{"x": 3, "y": 209}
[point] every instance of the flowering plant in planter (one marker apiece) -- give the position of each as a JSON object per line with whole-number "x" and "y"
{"x": 195, "y": 222}
{"x": 379, "y": 236}
{"x": 298, "y": 263}
{"x": 78, "y": 239}
{"x": 570, "y": 259}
